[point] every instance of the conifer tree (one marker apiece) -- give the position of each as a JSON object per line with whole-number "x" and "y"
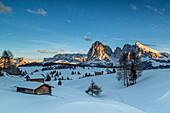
{"x": 123, "y": 70}
{"x": 6, "y": 56}
{"x": 56, "y": 74}
{"x": 1, "y": 74}
{"x": 72, "y": 73}
{"x": 78, "y": 73}
{"x": 55, "y": 78}
{"x": 62, "y": 78}
{"x": 85, "y": 75}
{"x": 94, "y": 89}
{"x": 48, "y": 78}
{"x": 136, "y": 67}
{"x": 59, "y": 82}
{"x": 114, "y": 71}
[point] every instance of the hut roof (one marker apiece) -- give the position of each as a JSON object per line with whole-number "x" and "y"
{"x": 31, "y": 85}
{"x": 98, "y": 71}
{"x": 36, "y": 76}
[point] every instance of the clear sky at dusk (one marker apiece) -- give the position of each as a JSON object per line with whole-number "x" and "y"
{"x": 35, "y": 29}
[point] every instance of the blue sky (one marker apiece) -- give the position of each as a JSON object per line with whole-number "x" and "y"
{"x": 35, "y": 29}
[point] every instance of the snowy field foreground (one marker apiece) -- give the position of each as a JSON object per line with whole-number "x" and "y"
{"x": 151, "y": 94}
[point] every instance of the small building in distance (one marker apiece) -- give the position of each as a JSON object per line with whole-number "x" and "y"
{"x": 110, "y": 71}
{"x": 35, "y": 78}
{"x": 34, "y": 88}
{"x": 98, "y": 73}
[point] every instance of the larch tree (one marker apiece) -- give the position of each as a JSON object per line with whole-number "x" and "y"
{"x": 94, "y": 89}
{"x": 122, "y": 72}
{"x": 6, "y": 56}
{"x": 136, "y": 67}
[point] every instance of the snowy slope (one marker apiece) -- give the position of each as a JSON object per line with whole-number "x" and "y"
{"x": 63, "y": 100}
{"x": 151, "y": 94}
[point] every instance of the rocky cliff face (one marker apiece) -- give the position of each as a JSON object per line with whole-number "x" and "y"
{"x": 142, "y": 50}
{"x": 145, "y": 51}
{"x": 102, "y": 54}
{"x": 149, "y": 57}
{"x": 126, "y": 48}
{"x": 60, "y": 58}
{"x": 20, "y": 61}
{"x": 98, "y": 52}
{"x": 117, "y": 52}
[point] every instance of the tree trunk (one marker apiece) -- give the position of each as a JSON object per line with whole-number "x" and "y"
{"x": 4, "y": 63}
{"x": 124, "y": 77}
{"x": 92, "y": 91}
{"x": 127, "y": 83}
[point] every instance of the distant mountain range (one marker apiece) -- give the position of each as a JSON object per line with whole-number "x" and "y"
{"x": 17, "y": 61}
{"x": 100, "y": 54}
{"x": 103, "y": 54}
{"x": 66, "y": 58}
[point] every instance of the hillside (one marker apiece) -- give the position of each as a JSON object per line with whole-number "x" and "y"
{"x": 149, "y": 95}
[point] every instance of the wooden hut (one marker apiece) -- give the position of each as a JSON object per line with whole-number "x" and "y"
{"x": 98, "y": 73}
{"x": 34, "y": 88}
{"x": 35, "y": 78}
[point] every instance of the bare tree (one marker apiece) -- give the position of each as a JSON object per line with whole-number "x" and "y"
{"x": 6, "y": 56}
{"x": 122, "y": 74}
{"x": 136, "y": 67}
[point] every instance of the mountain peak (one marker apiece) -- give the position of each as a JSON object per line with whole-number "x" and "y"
{"x": 146, "y": 50}
{"x": 98, "y": 51}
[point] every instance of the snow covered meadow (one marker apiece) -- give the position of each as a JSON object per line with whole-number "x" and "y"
{"x": 151, "y": 94}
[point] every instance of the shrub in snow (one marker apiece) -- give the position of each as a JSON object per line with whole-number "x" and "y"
{"x": 85, "y": 74}
{"x": 59, "y": 82}
{"x": 62, "y": 78}
{"x": 114, "y": 71}
{"x": 59, "y": 79}
{"x": 72, "y": 73}
{"x": 36, "y": 70}
{"x": 94, "y": 89}
{"x": 78, "y": 73}
{"x": 55, "y": 79}
{"x": 57, "y": 74}
{"x": 48, "y": 78}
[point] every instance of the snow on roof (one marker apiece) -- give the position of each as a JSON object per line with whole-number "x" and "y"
{"x": 36, "y": 76}
{"x": 30, "y": 85}
{"x": 98, "y": 71}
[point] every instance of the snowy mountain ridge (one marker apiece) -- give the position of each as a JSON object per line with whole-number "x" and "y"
{"x": 103, "y": 54}
{"x": 18, "y": 61}
{"x": 144, "y": 50}
{"x": 66, "y": 58}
